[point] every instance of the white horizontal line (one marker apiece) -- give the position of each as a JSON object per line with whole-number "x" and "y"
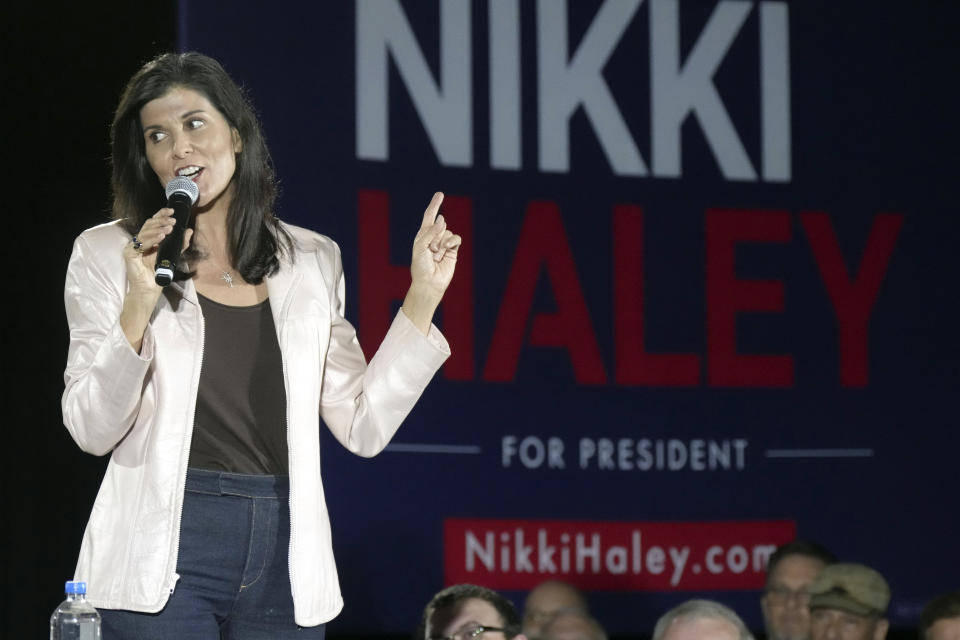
{"x": 819, "y": 453}
{"x": 432, "y": 448}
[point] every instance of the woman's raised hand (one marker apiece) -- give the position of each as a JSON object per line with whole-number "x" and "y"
{"x": 434, "y": 249}
{"x": 432, "y": 266}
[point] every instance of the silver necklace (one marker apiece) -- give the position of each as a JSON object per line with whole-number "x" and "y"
{"x": 224, "y": 273}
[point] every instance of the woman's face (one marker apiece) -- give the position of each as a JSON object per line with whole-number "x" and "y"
{"x": 186, "y": 136}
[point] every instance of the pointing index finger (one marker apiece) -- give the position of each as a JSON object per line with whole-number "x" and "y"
{"x": 430, "y": 215}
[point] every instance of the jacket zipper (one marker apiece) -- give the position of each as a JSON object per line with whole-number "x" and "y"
{"x": 185, "y": 454}
{"x": 293, "y": 524}
{"x": 282, "y": 337}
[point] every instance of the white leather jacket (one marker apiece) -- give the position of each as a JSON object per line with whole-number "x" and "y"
{"x": 140, "y": 408}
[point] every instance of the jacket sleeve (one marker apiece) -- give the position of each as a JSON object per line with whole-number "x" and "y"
{"x": 104, "y": 376}
{"x": 364, "y": 404}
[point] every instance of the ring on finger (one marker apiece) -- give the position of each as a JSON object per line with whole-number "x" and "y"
{"x": 137, "y": 245}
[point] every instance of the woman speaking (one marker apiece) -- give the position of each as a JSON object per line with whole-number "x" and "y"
{"x": 208, "y": 393}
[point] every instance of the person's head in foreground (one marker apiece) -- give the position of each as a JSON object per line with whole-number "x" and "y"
{"x": 940, "y": 619}
{"x": 548, "y": 599}
{"x": 701, "y": 620}
{"x": 849, "y": 602}
{"x": 572, "y": 625}
{"x": 790, "y": 572}
{"x": 469, "y": 612}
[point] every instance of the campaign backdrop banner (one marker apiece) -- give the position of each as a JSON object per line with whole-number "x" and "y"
{"x": 705, "y": 300}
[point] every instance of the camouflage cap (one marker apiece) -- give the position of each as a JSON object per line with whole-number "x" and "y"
{"x": 849, "y": 587}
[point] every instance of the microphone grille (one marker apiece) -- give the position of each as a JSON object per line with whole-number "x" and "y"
{"x": 183, "y": 185}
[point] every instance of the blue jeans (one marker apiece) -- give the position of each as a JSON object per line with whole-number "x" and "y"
{"x": 234, "y": 577}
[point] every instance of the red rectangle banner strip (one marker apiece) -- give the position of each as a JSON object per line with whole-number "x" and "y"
{"x": 612, "y": 556}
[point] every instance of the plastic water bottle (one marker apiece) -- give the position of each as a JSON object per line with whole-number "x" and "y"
{"x": 75, "y": 618}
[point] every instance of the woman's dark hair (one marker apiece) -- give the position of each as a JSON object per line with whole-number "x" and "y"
{"x": 255, "y": 236}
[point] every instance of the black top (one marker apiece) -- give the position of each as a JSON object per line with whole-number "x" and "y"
{"x": 240, "y": 423}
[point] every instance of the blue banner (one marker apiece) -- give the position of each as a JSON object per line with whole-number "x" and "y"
{"x": 704, "y": 302}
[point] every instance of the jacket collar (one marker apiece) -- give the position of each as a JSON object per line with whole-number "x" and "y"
{"x": 279, "y": 286}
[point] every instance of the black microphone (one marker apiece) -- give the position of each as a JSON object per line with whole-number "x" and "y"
{"x": 182, "y": 193}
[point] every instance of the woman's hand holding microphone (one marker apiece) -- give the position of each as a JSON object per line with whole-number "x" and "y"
{"x": 140, "y": 256}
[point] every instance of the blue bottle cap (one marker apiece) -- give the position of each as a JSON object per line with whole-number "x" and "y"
{"x": 75, "y": 587}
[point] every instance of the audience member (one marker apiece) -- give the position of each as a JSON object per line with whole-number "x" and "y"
{"x": 849, "y": 602}
{"x": 572, "y": 625}
{"x": 701, "y": 620}
{"x": 790, "y": 572}
{"x": 940, "y": 619}
{"x": 469, "y": 612}
{"x": 548, "y": 599}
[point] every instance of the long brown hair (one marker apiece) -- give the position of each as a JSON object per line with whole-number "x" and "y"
{"x": 255, "y": 236}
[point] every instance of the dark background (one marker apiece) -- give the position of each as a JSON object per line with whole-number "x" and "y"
{"x": 64, "y": 66}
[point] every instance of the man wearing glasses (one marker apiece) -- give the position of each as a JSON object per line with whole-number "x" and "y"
{"x": 791, "y": 570}
{"x": 470, "y": 612}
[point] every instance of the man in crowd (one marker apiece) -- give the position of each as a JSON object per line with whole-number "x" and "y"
{"x": 572, "y": 625}
{"x": 700, "y": 620}
{"x": 548, "y": 599}
{"x": 790, "y": 572}
{"x": 849, "y": 602}
{"x": 469, "y": 612}
{"x": 940, "y": 619}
